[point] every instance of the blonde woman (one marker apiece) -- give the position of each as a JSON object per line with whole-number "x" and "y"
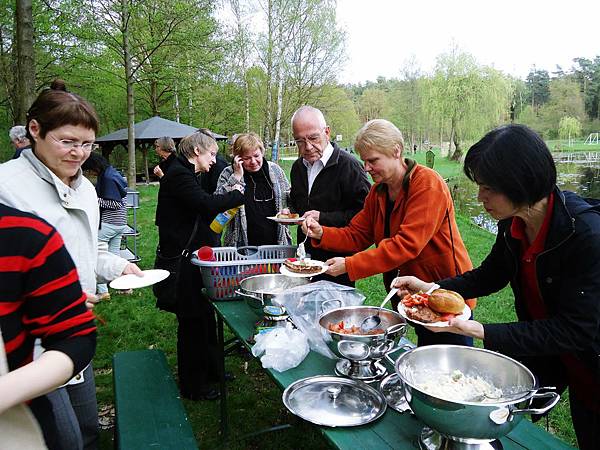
{"x": 267, "y": 192}
{"x": 408, "y": 215}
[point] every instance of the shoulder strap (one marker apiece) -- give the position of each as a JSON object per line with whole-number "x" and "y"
{"x": 186, "y": 250}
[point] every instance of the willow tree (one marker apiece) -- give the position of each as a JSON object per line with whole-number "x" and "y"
{"x": 472, "y": 98}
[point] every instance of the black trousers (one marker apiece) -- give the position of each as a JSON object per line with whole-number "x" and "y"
{"x": 551, "y": 371}
{"x": 197, "y": 353}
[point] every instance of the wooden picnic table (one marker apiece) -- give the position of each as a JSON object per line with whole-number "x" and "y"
{"x": 393, "y": 430}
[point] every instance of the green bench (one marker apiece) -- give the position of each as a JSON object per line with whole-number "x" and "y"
{"x": 149, "y": 413}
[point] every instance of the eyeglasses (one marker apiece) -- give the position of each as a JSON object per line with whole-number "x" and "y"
{"x": 313, "y": 139}
{"x": 68, "y": 144}
{"x": 271, "y": 190}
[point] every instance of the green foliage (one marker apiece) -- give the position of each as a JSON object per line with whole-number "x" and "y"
{"x": 568, "y": 128}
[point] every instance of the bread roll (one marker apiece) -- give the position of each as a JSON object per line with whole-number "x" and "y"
{"x": 444, "y": 301}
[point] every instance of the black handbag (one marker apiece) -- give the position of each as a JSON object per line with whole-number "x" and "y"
{"x": 166, "y": 291}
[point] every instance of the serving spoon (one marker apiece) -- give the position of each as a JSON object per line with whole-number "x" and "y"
{"x": 373, "y": 321}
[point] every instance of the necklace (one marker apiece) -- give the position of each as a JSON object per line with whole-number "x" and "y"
{"x": 254, "y": 188}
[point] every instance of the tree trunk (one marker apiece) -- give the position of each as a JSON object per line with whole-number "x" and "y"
{"x": 270, "y": 20}
{"x": 442, "y": 151}
{"x": 276, "y": 139}
{"x": 145, "y": 155}
{"x": 247, "y": 95}
{"x": 177, "y": 111}
{"x": 25, "y": 60}
{"x": 131, "y": 170}
{"x": 457, "y": 148}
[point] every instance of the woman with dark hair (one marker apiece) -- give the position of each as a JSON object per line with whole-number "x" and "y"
{"x": 548, "y": 249}
{"x": 111, "y": 188}
{"x": 183, "y": 214}
{"x": 47, "y": 180}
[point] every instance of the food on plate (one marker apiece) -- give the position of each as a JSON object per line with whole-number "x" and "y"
{"x": 304, "y": 266}
{"x": 338, "y": 327}
{"x": 439, "y": 306}
{"x": 457, "y": 386}
{"x": 287, "y": 216}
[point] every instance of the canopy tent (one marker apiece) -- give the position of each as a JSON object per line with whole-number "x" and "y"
{"x": 146, "y": 132}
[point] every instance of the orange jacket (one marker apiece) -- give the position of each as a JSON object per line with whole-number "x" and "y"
{"x": 420, "y": 242}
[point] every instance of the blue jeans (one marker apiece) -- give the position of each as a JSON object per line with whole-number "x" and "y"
{"x": 111, "y": 234}
{"x": 76, "y": 413}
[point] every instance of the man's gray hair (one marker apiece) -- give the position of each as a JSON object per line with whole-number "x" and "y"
{"x": 312, "y": 109}
{"x": 17, "y": 133}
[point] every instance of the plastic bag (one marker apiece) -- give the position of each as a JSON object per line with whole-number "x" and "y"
{"x": 283, "y": 348}
{"x": 306, "y": 303}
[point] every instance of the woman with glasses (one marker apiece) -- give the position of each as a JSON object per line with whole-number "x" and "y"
{"x": 47, "y": 181}
{"x": 267, "y": 192}
{"x": 183, "y": 214}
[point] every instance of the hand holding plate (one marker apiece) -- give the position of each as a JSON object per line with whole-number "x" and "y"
{"x": 470, "y": 328}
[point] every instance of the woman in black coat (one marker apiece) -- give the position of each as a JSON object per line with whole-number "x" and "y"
{"x": 548, "y": 249}
{"x": 181, "y": 200}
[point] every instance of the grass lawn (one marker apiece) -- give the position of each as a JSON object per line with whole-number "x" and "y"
{"x": 132, "y": 323}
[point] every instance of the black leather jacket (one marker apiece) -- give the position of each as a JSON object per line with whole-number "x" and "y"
{"x": 568, "y": 275}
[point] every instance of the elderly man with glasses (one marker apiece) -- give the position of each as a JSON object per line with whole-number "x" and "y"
{"x": 328, "y": 184}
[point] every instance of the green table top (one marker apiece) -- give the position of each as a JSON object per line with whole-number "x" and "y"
{"x": 393, "y": 430}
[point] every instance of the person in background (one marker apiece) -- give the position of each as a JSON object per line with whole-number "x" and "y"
{"x": 18, "y": 138}
{"x": 47, "y": 180}
{"x": 209, "y": 180}
{"x": 165, "y": 149}
{"x": 267, "y": 192}
{"x": 548, "y": 249}
{"x": 328, "y": 184}
{"x": 41, "y": 298}
{"x": 408, "y": 215}
{"x": 182, "y": 203}
{"x": 111, "y": 188}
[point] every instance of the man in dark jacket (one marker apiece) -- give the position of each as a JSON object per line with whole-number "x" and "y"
{"x": 328, "y": 184}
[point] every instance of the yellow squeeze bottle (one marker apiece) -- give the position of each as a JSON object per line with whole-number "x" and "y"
{"x": 222, "y": 219}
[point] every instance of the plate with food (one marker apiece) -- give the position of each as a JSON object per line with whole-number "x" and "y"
{"x": 132, "y": 281}
{"x": 435, "y": 309}
{"x": 306, "y": 267}
{"x": 287, "y": 218}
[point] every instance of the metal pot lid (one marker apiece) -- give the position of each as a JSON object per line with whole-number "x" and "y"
{"x": 333, "y": 401}
{"x": 393, "y": 390}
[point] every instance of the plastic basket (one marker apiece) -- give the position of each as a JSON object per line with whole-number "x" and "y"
{"x": 222, "y": 277}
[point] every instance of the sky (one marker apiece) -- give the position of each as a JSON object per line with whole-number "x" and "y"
{"x": 510, "y": 35}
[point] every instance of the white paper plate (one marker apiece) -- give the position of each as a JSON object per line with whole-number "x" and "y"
{"x": 132, "y": 281}
{"x": 299, "y": 220}
{"x": 466, "y": 314}
{"x": 284, "y": 270}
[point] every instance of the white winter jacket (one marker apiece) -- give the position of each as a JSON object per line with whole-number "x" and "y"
{"x": 27, "y": 184}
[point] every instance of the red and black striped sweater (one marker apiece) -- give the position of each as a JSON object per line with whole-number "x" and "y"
{"x": 40, "y": 294}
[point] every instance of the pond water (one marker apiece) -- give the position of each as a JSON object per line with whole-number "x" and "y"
{"x": 583, "y": 179}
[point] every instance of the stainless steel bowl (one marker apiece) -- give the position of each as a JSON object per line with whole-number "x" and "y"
{"x": 356, "y": 347}
{"x": 259, "y": 290}
{"x": 470, "y": 422}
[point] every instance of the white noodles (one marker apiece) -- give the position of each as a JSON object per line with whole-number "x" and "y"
{"x": 458, "y": 387}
